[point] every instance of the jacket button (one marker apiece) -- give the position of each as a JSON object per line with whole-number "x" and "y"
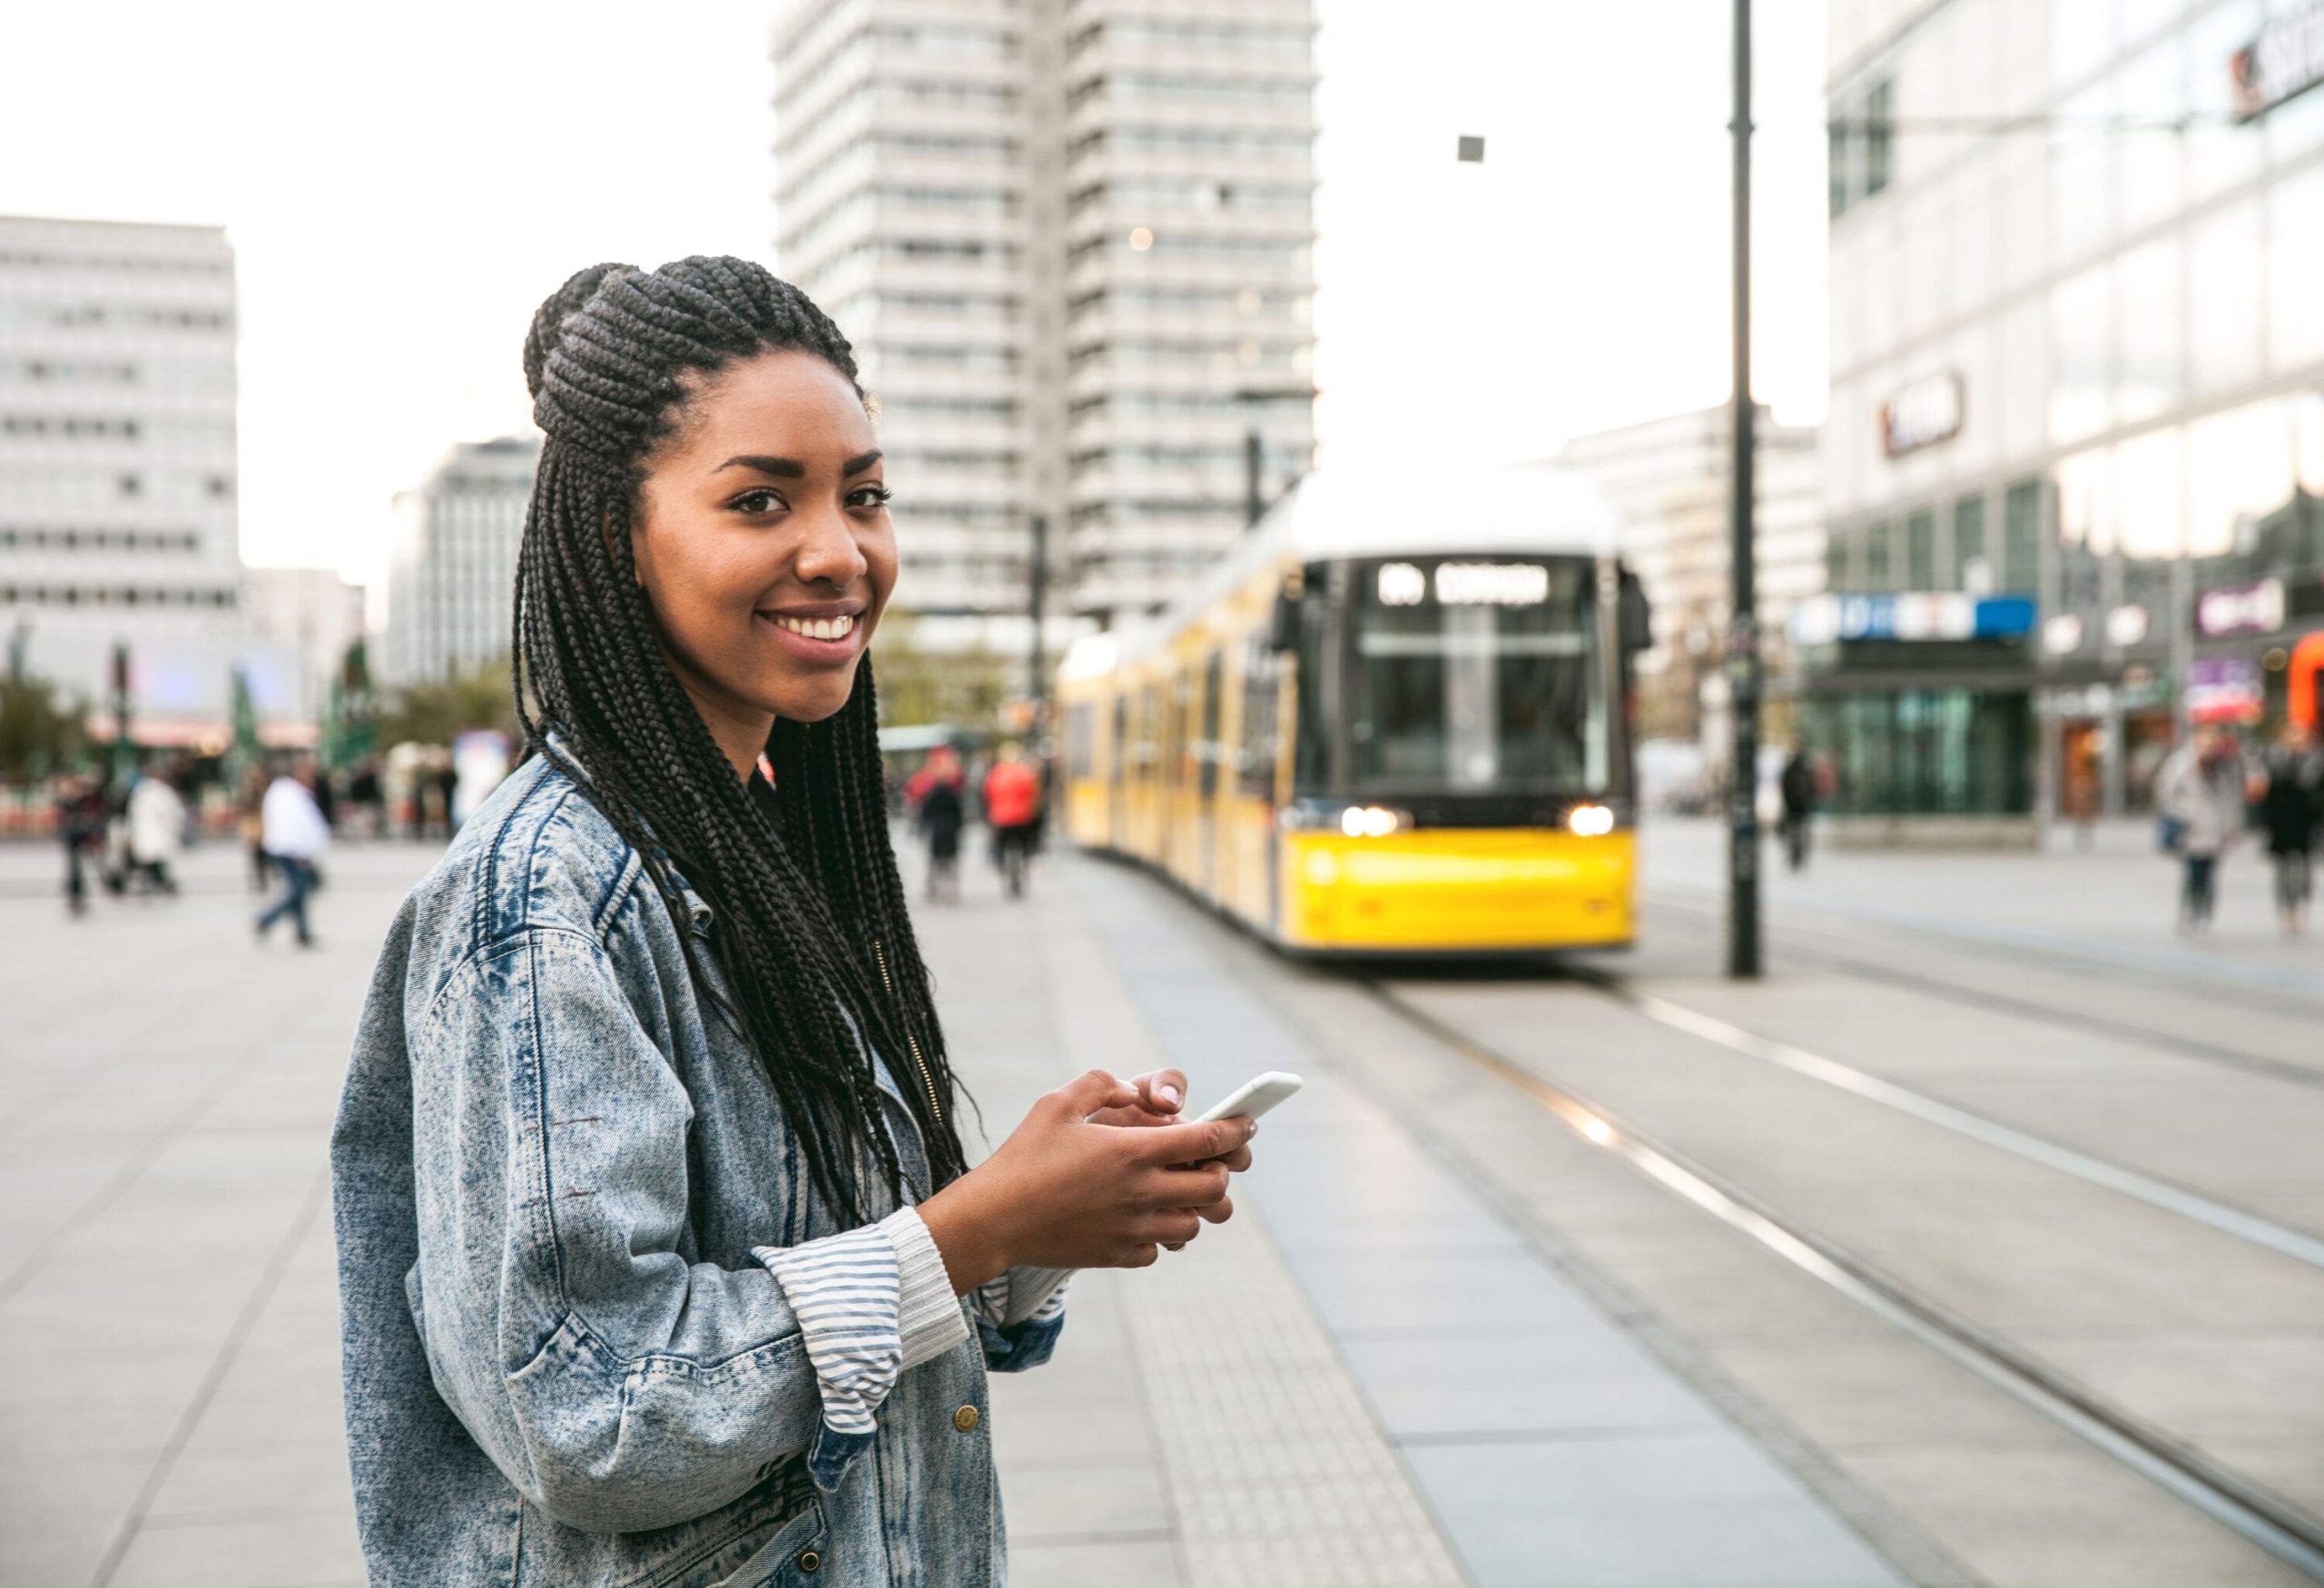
{"x": 965, "y": 1419}
{"x": 809, "y": 1563}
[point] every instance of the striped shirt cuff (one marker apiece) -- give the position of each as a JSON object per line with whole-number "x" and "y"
{"x": 928, "y": 1315}
{"x": 844, "y": 1290}
{"x": 1022, "y": 1296}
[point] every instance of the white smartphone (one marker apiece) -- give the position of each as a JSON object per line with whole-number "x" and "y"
{"x": 1254, "y": 1097}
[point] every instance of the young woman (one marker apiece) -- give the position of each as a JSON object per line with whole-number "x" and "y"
{"x": 660, "y": 1260}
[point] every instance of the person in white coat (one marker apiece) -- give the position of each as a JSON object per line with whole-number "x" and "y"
{"x": 2200, "y": 793}
{"x": 294, "y": 835}
{"x": 156, "y": 831}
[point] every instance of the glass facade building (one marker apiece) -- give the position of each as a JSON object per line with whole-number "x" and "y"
{"x": 2077, "y": 345}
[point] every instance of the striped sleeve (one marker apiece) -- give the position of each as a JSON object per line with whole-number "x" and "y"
{"x": 856, "y": 1296}
{"x": 1021, "y": 1296}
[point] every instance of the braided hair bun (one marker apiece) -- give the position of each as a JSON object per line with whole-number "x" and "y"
{"x": 547, "y": 329}
{"x": 812, "y": 931}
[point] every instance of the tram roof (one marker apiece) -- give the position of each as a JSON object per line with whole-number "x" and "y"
{"x": 1532, "y": 509}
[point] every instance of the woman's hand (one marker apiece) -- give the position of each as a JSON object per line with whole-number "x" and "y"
{"x": 1067, "y": 1190}
{"x": 1161, "y": 1094}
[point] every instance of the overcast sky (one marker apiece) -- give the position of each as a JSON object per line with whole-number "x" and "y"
{"x": 403, "y": 185}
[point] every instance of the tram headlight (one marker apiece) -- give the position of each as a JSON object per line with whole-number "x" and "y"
{"x": 1372, "y": 820}
{"x": 1590, "y": 821}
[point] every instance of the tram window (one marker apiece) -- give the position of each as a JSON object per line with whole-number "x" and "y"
{"x": 1262, "y": 700}
{"x": 1481, "y": 693}
{"x": 1311, "y": 751}
{"x": 1207, "y": 747}
{"x": 1080, "y": 737}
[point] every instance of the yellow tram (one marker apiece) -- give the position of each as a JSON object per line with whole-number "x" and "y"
{"x": 1374, "y": 730}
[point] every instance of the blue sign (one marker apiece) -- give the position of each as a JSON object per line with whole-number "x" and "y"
{"x": 1913, "y": 615}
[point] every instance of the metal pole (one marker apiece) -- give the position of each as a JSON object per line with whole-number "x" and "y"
{"x": 1254, "y": 504}
{"x": 1037, "y": 594}
{"x": 1742, "y": 628}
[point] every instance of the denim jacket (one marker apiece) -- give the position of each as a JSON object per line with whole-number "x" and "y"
{"x": 565, "y": 1197}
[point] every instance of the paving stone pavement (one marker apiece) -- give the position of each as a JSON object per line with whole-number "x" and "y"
{"x": 1363, "y": 1380}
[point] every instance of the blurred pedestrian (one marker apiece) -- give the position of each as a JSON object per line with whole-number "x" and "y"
{"x": 295, "y": 837}
{"x": 1798, "y": 787}
{"x": 249, "y": 804}
{"x": 156, "y": 830}
{"x": 2291, "y": 807}
{"x": 2199, "y": 794}
{"x": 1012, "y": 805}
{"x": 80, "y": 827}
{"x": 943, "y": 809}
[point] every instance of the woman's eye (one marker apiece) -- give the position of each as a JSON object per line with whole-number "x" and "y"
{"x": 758, "y": 501}
{"x": 868, "y": 496}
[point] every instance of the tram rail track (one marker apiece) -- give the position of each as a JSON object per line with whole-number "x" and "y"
{"x": 2284, "y": 1530}
{"x": 1704, "y": 908}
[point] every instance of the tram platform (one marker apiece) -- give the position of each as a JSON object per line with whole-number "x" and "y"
{"x": 1370, "y": 1375}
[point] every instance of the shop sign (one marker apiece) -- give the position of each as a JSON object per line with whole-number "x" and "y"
{"x": 2223, "y": 689}
{"x": 1931, "y": 615}
{"x": 2287, "y": 58}
{"x": 1922, "y": 413}
{"x": 2255, "y": 608}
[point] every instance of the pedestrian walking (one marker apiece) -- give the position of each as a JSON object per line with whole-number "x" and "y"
{"x": 2199, "y": 794}
{"x": 249, "y": 820}
{"x": 944, "y": 811}
{"x": 1012, "y": 805}
{"x": 80, "y": 827}
{"x": 156, "y": 815}
{"x": 295, "y": 837}
{"x": 1798, "y": 784}
{"x": 2289, "y": 811}
{"x": 659, "y": 1256}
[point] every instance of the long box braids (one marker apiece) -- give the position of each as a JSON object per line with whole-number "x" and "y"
{"x": 808, "y": 915}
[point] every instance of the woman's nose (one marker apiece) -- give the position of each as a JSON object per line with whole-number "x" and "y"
{"x": 828, "y": 553}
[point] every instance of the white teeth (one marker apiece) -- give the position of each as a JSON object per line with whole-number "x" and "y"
{"x": 820, "y": 627}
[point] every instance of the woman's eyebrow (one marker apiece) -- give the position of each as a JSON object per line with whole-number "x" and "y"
{"x": 858, "y": 465}
{"x": 782, "y": 467}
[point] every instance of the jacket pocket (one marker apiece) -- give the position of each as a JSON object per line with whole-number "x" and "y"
{"x": 752, "y": 1535}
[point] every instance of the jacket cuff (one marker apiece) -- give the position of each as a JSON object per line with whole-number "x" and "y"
{"x": 928, "y": 1315}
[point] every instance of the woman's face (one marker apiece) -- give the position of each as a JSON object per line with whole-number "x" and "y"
{"x": 764, "y": 543}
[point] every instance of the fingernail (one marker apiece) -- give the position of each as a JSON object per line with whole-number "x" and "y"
{"x": 1254, "y": 1130}
{"x": 1167, "y": 1095}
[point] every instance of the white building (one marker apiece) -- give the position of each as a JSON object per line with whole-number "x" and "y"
{"x": 117, "y": 466}
{"x": 2077, "y": 346}
{"x": 1670, "y": 477}
{"x": 1072, "y": 246}
{"x": 452, "y": 568}
{"x": 297, "y": 625}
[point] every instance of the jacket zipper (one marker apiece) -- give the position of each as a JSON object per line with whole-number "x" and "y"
{"x": 926, "y": 1080}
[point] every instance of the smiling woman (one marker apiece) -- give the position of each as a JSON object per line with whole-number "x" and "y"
{"x": 653, "y": 1211}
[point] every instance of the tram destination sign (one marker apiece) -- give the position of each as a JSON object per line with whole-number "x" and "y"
{"x": 2286, "y": 58}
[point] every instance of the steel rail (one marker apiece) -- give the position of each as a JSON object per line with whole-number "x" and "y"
{"x": 2267, "y": 1521}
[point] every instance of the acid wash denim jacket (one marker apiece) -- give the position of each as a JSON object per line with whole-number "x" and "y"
{"x": 596, "y": 1328}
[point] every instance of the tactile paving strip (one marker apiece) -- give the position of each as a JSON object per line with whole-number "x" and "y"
{"x": 1280, "y": 1478}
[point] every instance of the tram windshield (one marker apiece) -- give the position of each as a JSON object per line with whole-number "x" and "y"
{"x": 1478, "y": 676}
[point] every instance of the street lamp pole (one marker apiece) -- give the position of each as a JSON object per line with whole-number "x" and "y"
{"x": 1743, "y": 959}
{"x": 1035, "y": 600}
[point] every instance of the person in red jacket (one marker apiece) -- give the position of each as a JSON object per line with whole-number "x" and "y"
{"x": 1012, "y": 803}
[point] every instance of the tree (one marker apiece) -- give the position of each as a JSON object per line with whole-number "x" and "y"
{"x": 918, "y": 686}
{"x": 38, "y": 732}
{"x": 433, "y": 713}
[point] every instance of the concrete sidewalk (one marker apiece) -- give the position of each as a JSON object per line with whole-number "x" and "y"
{"x": 1368, "y": 1379}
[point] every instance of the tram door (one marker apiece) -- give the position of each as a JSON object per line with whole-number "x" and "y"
{"x": 1207, "y": 752}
